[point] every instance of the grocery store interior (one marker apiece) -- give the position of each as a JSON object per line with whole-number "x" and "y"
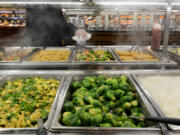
{"x": 81, "y": 67}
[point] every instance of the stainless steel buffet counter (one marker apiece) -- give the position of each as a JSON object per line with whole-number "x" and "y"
{"x": 65, "y": 82}
{"x": 72, "y": 63}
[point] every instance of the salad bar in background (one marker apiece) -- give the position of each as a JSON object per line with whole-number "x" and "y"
{"x": 70, "y": 56}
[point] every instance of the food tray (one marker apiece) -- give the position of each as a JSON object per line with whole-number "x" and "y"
{"x": 9, "y": 49}
{"x": 12, "y": 77}
{"x": 96, "y": 48}
{"x": 136, "y": 77}
{"x": 19, "y": 49}
{"x": 144, "y": 49}
{"x": 175, "y": 55}
{"x": 58, "y": 127}
{"x": 51, "y": 48}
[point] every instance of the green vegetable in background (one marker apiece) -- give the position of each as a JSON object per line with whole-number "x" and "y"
{"x": 70, "y": 119}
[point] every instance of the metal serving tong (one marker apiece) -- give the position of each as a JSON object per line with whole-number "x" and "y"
{"x": 165, "y": 120}
{"x": 41, "y": 129}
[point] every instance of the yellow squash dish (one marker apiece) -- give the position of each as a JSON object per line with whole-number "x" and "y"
{"x": 51, "y": 55}
{"x": 24, "y": 101}
{"x": 135, "y": 56}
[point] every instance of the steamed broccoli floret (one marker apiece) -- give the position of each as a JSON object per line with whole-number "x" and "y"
{"x": 76, "y": 85}
{"x": 118, "y": 110}
{"x": 78, "y": 101}
{"x": 128, "y": 124}
{"x": 111, "y": 118}
{"x": 96, "y": 103}
{"x": 88, "y": 99}
{"x": 95, "y": 111}
{"x": 124, "y": 86}
{"x": 102, "y": 89}
{"x": 126, "y": 99}
{"x": 69, "y": 119}
{"x": 86, "y": 84}
{"x": 111, "y": 105}
{"x": 136, "y": 110}
{"x": 141, "y": 124}
{"x": 85, "y": 118}
{"x": 134, "y": 103}
{"x": 96, "y": 119}
{"x": 105, "y": 125}
{"x": 69, "y": 107}
{"x": 110, "y": 95}
{"x": 126, "y": 105}
{"x": 105, "y": 108}
{"x": 123, "y": 78}
{"x": 119, "y": 93}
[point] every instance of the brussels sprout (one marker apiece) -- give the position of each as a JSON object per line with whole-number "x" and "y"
{"x": 69, "y": 107}
{"x": 69, "y": 119}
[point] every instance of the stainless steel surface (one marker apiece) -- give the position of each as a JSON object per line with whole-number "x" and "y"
{"x": 28, "y": 59}
{"x": 79, "y": 65}
{"x": 11, "y": 76}
{"x": 95, "y": 48}
{"x": 58, "y": 127}
{"x": 148, "y": 95}
{"x": 166, "y": 28}
{"x": 174, "y": 55}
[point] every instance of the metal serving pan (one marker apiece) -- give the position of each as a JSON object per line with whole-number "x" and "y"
{"x": 136, "y": 77}
{"x": 27, "y": 60}
{"x": 11, "y": 77}
{"x": 11, "y": 49}
{"x": 147, "y": 110}
{"x": 16, "y": 49}
{"x": 145, "y": 50}
{"x": 176, "y": 55}
{"x": 96, "y": 48}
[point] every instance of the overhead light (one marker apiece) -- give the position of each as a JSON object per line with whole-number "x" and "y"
{"x": 41, "y": 2}
{"x": 128, "y": 3}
